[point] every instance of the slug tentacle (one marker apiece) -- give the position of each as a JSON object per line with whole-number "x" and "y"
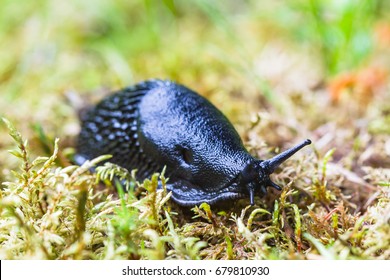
{"x": 255, "y": 176}
{"x": 270, "y": 165}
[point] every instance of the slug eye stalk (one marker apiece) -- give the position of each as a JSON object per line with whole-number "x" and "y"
{"x": 255, "y": 176}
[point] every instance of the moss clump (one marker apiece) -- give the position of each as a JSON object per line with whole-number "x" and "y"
{"x": 53, "y": 212}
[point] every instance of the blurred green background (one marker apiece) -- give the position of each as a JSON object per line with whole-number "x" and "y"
{"x": 249, "y": 52}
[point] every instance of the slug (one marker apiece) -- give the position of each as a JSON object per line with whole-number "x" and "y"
{"x": 160, "y": 123}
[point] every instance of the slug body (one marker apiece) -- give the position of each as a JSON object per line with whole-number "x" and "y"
{"x": 160, "y": 123}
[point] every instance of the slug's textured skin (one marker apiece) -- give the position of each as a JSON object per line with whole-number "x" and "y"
{"x": 160, "y": 123}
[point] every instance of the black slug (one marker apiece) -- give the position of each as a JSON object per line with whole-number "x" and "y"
{"x": 160, "y": 123}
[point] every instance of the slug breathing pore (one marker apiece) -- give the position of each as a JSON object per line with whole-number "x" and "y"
{"x": 255, "y": 176}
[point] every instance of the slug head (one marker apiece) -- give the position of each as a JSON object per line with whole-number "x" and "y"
{"x": 255, "y": 176}
{"x": 205, "y": 158}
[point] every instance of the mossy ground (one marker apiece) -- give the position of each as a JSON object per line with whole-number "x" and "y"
{"x": 282, "y": 71}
